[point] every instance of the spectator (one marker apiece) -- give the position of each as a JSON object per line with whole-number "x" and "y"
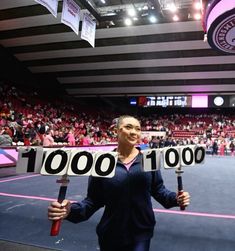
{"x": 215, "y": 148}
{"x": 70, "y": 137}
{"x": 232, "y": 147}
{"x": 48, "y": 139}
{"x": 5, "y": 139}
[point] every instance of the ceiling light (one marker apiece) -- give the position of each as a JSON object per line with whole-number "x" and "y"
{"x": 128, "y": 21}
{"x": 172, "y": 7}
{"x": 131, "y": 12}
{"x": 175, "y": 18}
{"x": 103, "y": 1}
{"x": 197, "y": 16}
{"x": 197, "y": 6}
{"x": 110, "y": 14}
{"x": 152, "y": 19}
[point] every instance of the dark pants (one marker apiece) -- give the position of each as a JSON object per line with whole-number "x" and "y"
{"x": 137, "y": 246}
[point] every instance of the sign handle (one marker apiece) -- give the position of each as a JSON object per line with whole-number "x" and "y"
{"x": 55, "y": 227}
{"x": 179, "y": 171}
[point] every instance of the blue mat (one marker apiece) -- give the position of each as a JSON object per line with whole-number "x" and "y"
{"x": 208, "y": 223}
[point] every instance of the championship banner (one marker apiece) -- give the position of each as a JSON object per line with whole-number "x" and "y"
{"x": 71, "y": 15}
{"x": 88, "y": 30}
{"x": 51, "y": 5}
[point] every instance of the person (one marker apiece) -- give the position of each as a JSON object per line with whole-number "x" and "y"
{"x": 48, "y": 140}
{"x": 232, "y": 146}
{"x": 70, "y": 137}
{"x": 215, "y": 148}
{"x": 154, "y": 143}
{"x": 5, "y": 139}
{"x": 128, "y": 220}
{"x": 222, "y": 147}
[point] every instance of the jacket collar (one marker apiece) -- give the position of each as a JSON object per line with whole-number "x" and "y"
{"x": 138, "y": 157}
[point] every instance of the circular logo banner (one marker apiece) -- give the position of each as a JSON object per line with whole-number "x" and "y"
{"x": 221, "y": 34}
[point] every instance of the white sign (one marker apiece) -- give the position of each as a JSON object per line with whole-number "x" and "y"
{"x": 175, "y": 157}
{"x": 187, "y": 155}
{"x": 88, "y": 29}
{"x": 55, "y": 162}
{"x": 171, "y": 157}
{"x": 66, "y": 161}
{"x": 71, "y": 15}
{"x": 199, "y": 154}
{"x": 104, "y": 165}
{"x": 29, "y": 160}
{"x": 51, "y": 5}
{"x": 81, "y": 163}
{"x": 77, "y": 162}
{"x": 151, "y": 160}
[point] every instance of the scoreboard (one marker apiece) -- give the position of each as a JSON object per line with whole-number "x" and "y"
{"x": 165, "y": 101}
{"x": 194, "y": 101}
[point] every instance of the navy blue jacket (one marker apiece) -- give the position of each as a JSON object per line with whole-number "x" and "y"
{"x": 128, "y": 214}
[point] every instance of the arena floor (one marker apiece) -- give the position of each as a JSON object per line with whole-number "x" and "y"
{"x": 208, "y": 224}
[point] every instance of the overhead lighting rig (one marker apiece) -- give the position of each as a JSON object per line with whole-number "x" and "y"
{"x": 150, "y": 11}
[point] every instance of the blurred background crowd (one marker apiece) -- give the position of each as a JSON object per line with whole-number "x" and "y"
{"x": 28, "y": 119}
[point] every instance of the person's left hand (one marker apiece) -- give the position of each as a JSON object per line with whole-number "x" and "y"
{"x": 183, "y": 199}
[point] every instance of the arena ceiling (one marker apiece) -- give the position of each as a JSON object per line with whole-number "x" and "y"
{"x": 143, "y": 59}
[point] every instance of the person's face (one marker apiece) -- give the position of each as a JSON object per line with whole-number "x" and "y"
{"x": 129, "y": 131}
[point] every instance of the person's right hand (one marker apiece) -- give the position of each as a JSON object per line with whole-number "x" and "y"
{"x": 59, "y": 211}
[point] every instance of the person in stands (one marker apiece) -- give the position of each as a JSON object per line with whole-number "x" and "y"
{"x": 48, "y": 140}
{"x": 5, "y": 139}
{"x": 128, "y": 220}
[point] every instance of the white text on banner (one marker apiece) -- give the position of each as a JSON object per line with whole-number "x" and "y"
{"x": 88, "y": 29}
{"x": 71, "y": 15}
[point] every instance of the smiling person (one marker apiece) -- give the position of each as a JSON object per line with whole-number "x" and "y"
{"x": 128, "y": 220}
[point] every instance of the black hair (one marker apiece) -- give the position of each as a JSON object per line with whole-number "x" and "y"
{"x": 121, "y": 118}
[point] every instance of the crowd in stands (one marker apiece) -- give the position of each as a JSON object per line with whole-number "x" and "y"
{"x": 27, "y": 119}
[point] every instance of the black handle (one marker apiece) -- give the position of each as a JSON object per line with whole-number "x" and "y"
{"x": 180, "y": 188}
